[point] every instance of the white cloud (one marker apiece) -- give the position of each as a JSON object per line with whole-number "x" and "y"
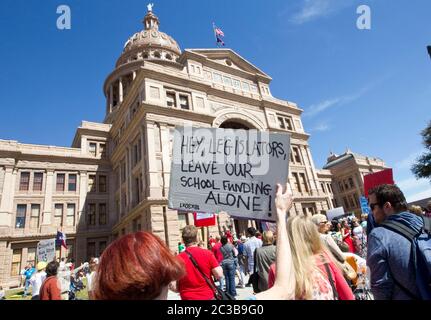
{"x": 408, "y": 161}
{"x": 412, "y": 183}
{"x": 329, "y": 103}
{"x": 322, "y": 127}
{"x": 314, "y": 9}
{"x": 419, "y": 195}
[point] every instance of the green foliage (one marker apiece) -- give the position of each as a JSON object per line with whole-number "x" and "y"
{"x": 422, "y": 167}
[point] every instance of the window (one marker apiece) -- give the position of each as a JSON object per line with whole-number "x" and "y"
{"x": 351, "y": 202}
{"x": 102, "y": 184}
{"x": 253, "y": 88}
{"x": 34, "y": 217}
{"x": 285, "y": 122}
{"x": 91, "y": 250}
{"x": 329, "y": 188}
{"x": 192, "y": 67}
{"x": 198, "y": 70}
{"x": 340, "y": 186}
{"x": 31, "y": 256}
{"x": 135, "y": 225}
{"x": 102, "y": 150}
{"x": 184, "y": 102}
{"x": 182, "y": 220}
{"x": 346, "y": 186}
{"x": 21, "y": 210}
{"x": 16, "y": 262}
{"x": 91, "y": 218}
{"x": 24, "y": 181}
{"x": 72, "y": 182}
{"x": 237, "y": 84}
{"x": 102, "y": 247}
{"x": 137, "y": 191}
{"x": 92, "y": 148}
{"x": 323, "y": 187}
{"x": 92, "y": 183}
{"x": 58, "y": 214}
{"x": 304, "y": 184}
{"x": 297, "y": 155}
{"x": 227, "y": 81}
{"x": 171, "y": 100}
{"x": 352, "y": 185}
{"x": 217, "y": 78}
{"x": 38, "y": 181}
{"x": 245, "y": 86}
{"x": 123, "y": 172}
{"x": 297, "y": 185}
{"x": 60, "y": 182}
{"x": 70, "y": 218}
{"x": 102, "y": 214}
{"x": 346, "y": 204}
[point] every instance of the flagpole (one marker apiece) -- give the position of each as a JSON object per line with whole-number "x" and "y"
{"x": 215, "y": 35}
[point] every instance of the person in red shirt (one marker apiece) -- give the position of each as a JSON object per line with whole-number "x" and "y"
{"x": 193, "y": 285}
{"x": 50, "y": 289}
{"x": 216, "y": 250}
{"x": 228, "y": 234}
{"x": 211, "y": 242}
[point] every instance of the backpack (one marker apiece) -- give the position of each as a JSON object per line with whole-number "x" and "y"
{"x": 420, "y": 254}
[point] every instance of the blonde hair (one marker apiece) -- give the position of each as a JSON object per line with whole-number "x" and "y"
{"x": 416, "y": 210}
{"x": 268, "y": 237}
{"x": 305, "y": 243}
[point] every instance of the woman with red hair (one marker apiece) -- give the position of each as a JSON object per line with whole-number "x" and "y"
{"x": 137, "y": 266}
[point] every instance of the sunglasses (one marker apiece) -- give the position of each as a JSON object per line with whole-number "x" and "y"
{"x": 324, "y": 222}
{"x": 373, "y": 205}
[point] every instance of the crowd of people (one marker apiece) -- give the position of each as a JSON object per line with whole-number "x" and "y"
{"x": 306, "y": 258}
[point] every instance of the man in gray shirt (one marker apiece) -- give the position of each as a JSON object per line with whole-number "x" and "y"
{"x": 250, "y": 246}
{"x": 265, "y": 256}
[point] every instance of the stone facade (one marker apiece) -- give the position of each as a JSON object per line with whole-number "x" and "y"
{"x": 115, "y": 178}
{"x": 348, "y": 171}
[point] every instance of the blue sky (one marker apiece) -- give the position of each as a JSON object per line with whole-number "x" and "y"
{"x": 369, "y": 90}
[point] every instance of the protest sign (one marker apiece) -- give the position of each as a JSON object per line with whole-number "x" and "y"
{"x": 377, "y": 179}
{"x": 235, "y": 171}
{"x": 335, "y": 213}
{"x": 204, "y": 219}
{"x": 46, "y": 250}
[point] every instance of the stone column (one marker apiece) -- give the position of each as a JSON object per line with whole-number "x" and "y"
{"x": 153, "y": 174}
{"x": 46, "y": 226}
{"x": 120, "y": 90}
{"x": 166, "y": 160}
{"x": 6, "y": 204}
{"x": 111, "y": 98}
{"x": 83, "y": 183}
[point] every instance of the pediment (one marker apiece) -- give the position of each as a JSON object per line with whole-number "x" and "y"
{"x": 230, "y": 58}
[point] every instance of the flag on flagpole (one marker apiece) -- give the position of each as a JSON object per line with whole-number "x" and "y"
{"x": 61, "y": 239}
{"x": 218, "y": 33}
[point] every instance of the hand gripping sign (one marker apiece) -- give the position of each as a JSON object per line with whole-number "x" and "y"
{"x": 234, "y": 171}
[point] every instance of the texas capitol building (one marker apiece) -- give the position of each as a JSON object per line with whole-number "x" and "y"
{"x": 114, "y": 178}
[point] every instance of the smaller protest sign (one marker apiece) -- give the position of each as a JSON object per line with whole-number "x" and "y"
{"x": 46, "y": 250}
{"x": 376, "y": 179}
{"x": 204, "y": 219}
{"x": 365, "y": 208}
{"x": 335, "y": 213}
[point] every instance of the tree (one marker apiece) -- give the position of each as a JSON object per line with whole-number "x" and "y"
{"x": 422, "y": 167}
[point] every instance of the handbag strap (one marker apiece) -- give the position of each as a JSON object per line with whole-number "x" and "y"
{"x": 331, "y": 280}
{"x": 203, "y": 274}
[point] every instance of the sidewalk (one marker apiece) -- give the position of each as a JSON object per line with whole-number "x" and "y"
{"x": 243, "y": 293}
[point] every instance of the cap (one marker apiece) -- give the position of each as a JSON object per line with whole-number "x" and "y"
{"x": 41, "y": 265}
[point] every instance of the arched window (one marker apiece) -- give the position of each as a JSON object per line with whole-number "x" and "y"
{"x": 157, "y": 55}
{"x": 168, "y": 56}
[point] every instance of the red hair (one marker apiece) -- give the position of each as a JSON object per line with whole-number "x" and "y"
{"x": 136, "y": 267}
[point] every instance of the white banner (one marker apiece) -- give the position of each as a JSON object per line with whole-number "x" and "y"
{"x": 234, "y": 171}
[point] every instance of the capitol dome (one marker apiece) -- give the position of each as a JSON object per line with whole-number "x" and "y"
{"x": 150, "y": 44}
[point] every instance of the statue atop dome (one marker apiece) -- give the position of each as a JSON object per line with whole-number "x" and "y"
{"x": 150, "y": 7}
